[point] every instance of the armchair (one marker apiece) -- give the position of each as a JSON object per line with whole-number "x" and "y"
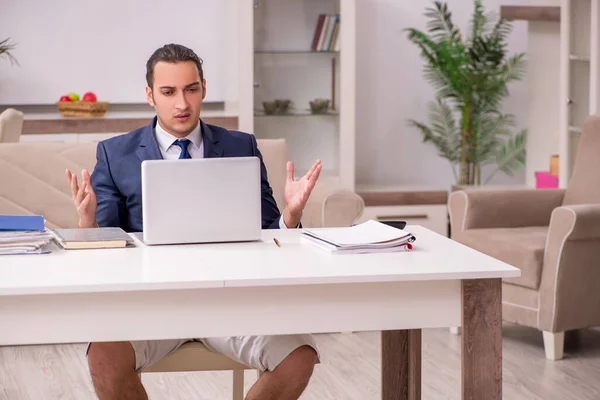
{"x": 553, "y": 236}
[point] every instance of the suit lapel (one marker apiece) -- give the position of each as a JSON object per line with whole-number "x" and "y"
{"x": 212, "y": 149}
{"x": 148, "y": 149}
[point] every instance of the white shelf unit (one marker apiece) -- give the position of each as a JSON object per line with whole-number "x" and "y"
{"x": 276, "y": 62}
{"x": 579, "y": 76}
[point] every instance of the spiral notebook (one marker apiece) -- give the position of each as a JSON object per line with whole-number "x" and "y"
{"x": 368, "y": 237}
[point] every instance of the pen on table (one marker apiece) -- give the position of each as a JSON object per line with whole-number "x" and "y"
{"x": 276, "y": 242}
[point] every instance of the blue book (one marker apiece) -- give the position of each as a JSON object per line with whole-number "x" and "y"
{"x": 21, "y": 223}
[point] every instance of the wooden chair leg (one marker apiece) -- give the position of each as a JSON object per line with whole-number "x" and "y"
{"x": 238, "y": 384}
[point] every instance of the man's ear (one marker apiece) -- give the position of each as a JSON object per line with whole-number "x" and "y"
{"x": 203, "y": 89}
{"x": 149, "y": 96}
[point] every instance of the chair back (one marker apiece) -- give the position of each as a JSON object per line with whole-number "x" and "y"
{"x": 275, "y": 156}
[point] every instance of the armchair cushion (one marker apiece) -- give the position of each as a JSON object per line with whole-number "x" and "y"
{"x": 520, "y": 247}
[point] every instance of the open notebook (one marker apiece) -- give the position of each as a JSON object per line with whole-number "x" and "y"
{"x": 368, "y": 237}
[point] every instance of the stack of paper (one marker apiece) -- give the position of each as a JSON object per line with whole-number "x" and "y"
{"x": 368, "y": 237}
{"x": 23, "y": 235}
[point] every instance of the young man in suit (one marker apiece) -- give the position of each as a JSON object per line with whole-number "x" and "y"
{"x": 112, "y": 197}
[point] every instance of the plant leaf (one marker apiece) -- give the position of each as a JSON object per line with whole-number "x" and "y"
{"x": 440, "y": 24}
{"x": 443, "y": 132}
{"x": 6, "y": 49}
{"x": 479, "y": 22}
{"x": 510, "y": 156}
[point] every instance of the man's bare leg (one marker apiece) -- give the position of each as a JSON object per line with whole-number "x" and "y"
{"x": 288, "y": 380}
{"x": 112, "y": 366}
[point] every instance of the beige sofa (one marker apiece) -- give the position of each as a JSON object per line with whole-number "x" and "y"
{"x": 553, "y": 236}
{"x": 32, "y": 181}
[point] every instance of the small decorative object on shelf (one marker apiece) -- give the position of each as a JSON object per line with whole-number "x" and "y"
{"x": 89, "y": 107}
{"x": 278, "y": 106}
{"x": 82, "y": 109}
{"x": 548, "y": 179}
{"x": 545, "y": 180}
{"x": 319, "y": 106}
{"x": 554, "y": 165}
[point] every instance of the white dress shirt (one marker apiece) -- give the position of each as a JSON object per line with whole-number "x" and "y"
{"x": 169, "y": 151}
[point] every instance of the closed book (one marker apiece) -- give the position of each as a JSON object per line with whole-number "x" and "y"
{"x": 21, "y": 223}
{"x": 317, "y": 35}
{"x": 92, "y": 238}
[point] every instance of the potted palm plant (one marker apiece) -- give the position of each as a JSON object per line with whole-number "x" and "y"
{"x": 5, "y": 50}
{"x": 470, "y": 76}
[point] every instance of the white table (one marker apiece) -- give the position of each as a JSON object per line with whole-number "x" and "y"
{"x": 165, "y": 292}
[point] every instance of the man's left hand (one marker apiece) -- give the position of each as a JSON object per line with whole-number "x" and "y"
{"x": 297, "y": 193}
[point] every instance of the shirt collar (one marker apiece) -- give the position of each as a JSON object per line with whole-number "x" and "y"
{"x": 165, "y": 139}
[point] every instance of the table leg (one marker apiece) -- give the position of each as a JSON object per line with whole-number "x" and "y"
{"x": 401, "y": 365}
{"x": 482, "y": 339}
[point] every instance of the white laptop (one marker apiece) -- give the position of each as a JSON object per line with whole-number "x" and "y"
{"x": 201, "y": 200}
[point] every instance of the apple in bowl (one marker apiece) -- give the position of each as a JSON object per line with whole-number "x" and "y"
{"x": 89, "y": 97}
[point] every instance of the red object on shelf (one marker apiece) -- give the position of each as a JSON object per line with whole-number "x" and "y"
{"x": 544, "y": 180}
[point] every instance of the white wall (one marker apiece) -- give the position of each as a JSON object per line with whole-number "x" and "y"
{"x": 391, "y": 89}
{"x": 66, "y": 46}
{"x": 543, "y": 119}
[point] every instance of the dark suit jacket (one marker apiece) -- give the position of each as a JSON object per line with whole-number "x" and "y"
{"x": 117, "y": 176}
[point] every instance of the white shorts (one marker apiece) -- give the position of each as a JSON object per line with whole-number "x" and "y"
{"x": 263, "y": 353}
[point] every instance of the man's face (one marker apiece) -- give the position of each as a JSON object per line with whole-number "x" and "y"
{"x": 176, "y": 96}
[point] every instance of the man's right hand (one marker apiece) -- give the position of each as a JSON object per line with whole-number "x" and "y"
{"x": 84, "y": 199}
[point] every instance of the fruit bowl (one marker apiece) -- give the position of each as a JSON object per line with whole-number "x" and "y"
{"x": 82, "y": 109}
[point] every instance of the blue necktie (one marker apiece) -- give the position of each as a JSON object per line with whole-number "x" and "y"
{"x": 183, "y": 143}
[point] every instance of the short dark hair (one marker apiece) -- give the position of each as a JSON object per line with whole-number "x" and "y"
{"x": 172, "y": 53}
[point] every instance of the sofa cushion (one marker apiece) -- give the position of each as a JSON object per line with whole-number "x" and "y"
{"x": 32, "y": 179}
{"x": 522, "y": 248}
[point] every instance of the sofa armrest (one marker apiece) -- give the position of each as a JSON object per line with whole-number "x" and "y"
{"x": 342, "y": 208}
{"x": 494, "y": 208}
{"x": 332, "y": 208}
{"x": 569, "y": 295}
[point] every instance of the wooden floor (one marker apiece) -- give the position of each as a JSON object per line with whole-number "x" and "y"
{"x": 350, "y": 370}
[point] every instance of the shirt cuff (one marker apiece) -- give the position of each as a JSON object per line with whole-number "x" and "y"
{"x": 282, "y": 224}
